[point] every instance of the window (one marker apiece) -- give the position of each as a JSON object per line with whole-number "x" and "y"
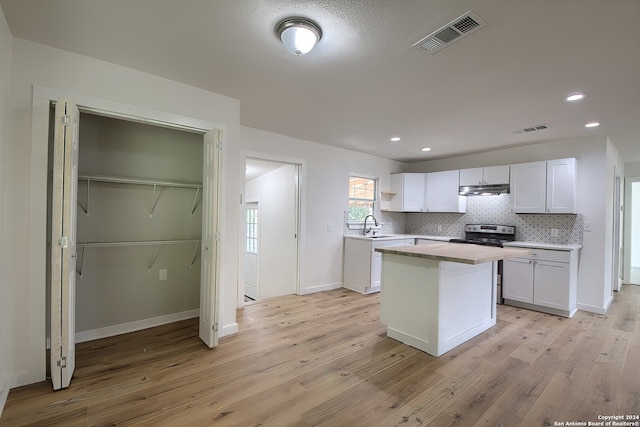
{"x": 252, "y": 230}
{"x": 362, "y": 198}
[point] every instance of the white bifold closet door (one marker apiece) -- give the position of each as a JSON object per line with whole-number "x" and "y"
{"x": 63, "y": 243}
{"x": 209, "y": 276}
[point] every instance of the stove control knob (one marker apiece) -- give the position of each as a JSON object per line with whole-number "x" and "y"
{"x": 503, "y": 229}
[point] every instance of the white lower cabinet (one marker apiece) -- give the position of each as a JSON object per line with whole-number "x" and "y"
{"x": 427, "y": 241}
{"x": 545, "y": 281}
{"x": 362, "y": 269}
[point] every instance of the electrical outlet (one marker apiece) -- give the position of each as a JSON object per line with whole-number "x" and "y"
{"x": 439, "y": 227}
{"x": 554, "y": 232}
{"x": 329, "y": 228}
{"x": 163, "y": 274}
{"x": 586, "y": 226}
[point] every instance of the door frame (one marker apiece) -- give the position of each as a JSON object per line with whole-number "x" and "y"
{"x": 616, "y": 264}
{"x": 251, "y": 204}
{"x": 628, "y": 220}
{"x": 300, "y": 205}
{"x": 41, "y": 99}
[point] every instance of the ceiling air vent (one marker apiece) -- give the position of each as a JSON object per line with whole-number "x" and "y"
{"x": 532, "y": 129}
{"x": 452, "y": 32}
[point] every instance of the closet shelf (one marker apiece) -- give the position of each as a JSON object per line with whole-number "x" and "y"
{"x": 154, "y": 252}
{"x": 137, "y": 181}
{"x": 136, "y": 243}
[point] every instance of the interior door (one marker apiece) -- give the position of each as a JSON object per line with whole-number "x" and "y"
{"x": 251, "y": 250}
{"x": 209, "y": 277}
{"x": 63, "y": 243}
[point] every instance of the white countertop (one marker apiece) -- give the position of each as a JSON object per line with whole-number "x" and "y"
{"x": 541, "y": 245}
{"x": 399, "y": 236}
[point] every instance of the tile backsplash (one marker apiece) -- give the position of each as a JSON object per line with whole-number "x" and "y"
{"x": 485, "y": 210}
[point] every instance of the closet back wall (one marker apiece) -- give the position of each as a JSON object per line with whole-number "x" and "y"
{"x": 120, "y": 287}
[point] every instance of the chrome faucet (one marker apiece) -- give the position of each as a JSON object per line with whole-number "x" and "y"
{"x": 364, "y": 229}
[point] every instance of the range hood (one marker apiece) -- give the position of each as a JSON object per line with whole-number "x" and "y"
{"x": 483, "y": 190}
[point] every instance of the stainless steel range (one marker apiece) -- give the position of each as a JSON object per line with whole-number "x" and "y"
{"x": 490, "y": 235}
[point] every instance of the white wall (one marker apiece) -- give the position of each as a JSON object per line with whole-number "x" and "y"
{"x": 632, "y": 169}
{"x": 275, "y": 191}
{"x": 596, "y": 159}
{"x": 324, "y": 199}
{"x": 25, "y": 219}
{"x": 6, "y": 291}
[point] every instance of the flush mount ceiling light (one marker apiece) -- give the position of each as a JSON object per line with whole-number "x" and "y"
{"x": 592, "y": 125}
{"x": 395, "y": 139}
{"x": 298, "y": 35}
{"x": 425, "y": 149}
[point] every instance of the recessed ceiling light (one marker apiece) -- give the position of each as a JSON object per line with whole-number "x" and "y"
{"x": 592, "y": 125}
{"x": 426, "y": 149}
{"x": 395, "y": 139}
{"x": 575, "y": 96}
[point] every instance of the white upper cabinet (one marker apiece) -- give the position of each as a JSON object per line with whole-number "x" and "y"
{"x": 409, "y": 189}
{"x": 544, "y": 187}
{"x": 528, "y": 187}
{"x": 441, "y": 192}
{"x": 561, "y": 186}
{"x": 491, "y": 175}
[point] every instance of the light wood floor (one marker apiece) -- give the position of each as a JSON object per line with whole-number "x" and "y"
{"x": 325, "y": 360}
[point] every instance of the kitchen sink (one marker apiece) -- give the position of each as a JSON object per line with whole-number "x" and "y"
{"x": 380, "y": 236}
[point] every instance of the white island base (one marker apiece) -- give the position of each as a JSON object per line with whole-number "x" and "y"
{"x": 436, "y": 305}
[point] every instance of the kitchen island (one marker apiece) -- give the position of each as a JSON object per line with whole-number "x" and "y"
{"x": 435, "y": 297}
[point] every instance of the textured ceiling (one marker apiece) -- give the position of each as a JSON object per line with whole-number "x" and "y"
{"x": 364, "y": 82}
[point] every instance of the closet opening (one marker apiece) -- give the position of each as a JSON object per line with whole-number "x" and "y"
{"x": 143, "y": 254}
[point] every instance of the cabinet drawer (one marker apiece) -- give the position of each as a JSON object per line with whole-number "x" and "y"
{"x": 549, "y": 255}
{"x": 390, "y": 243}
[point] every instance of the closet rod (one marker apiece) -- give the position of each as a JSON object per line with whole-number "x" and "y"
{"x": 154, "y": 253}
{"x": 138, "y": 181}
{"x": 136, "y": 243}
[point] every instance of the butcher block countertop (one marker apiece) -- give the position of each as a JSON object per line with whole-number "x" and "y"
{"x": 456, "y": 252}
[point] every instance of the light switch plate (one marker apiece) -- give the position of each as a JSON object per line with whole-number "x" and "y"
{"x": 554, "y": 232}
{"x": 163, "y": 274}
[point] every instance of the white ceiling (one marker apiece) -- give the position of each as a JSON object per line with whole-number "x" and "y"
{"x": 364, "y": 82}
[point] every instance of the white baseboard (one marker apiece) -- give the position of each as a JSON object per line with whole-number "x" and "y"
{"x": 321, "y": 288}
{"x": 593, "y": 308}
{"x": 138, "y": 325}
{"x": 228, "y": 330}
